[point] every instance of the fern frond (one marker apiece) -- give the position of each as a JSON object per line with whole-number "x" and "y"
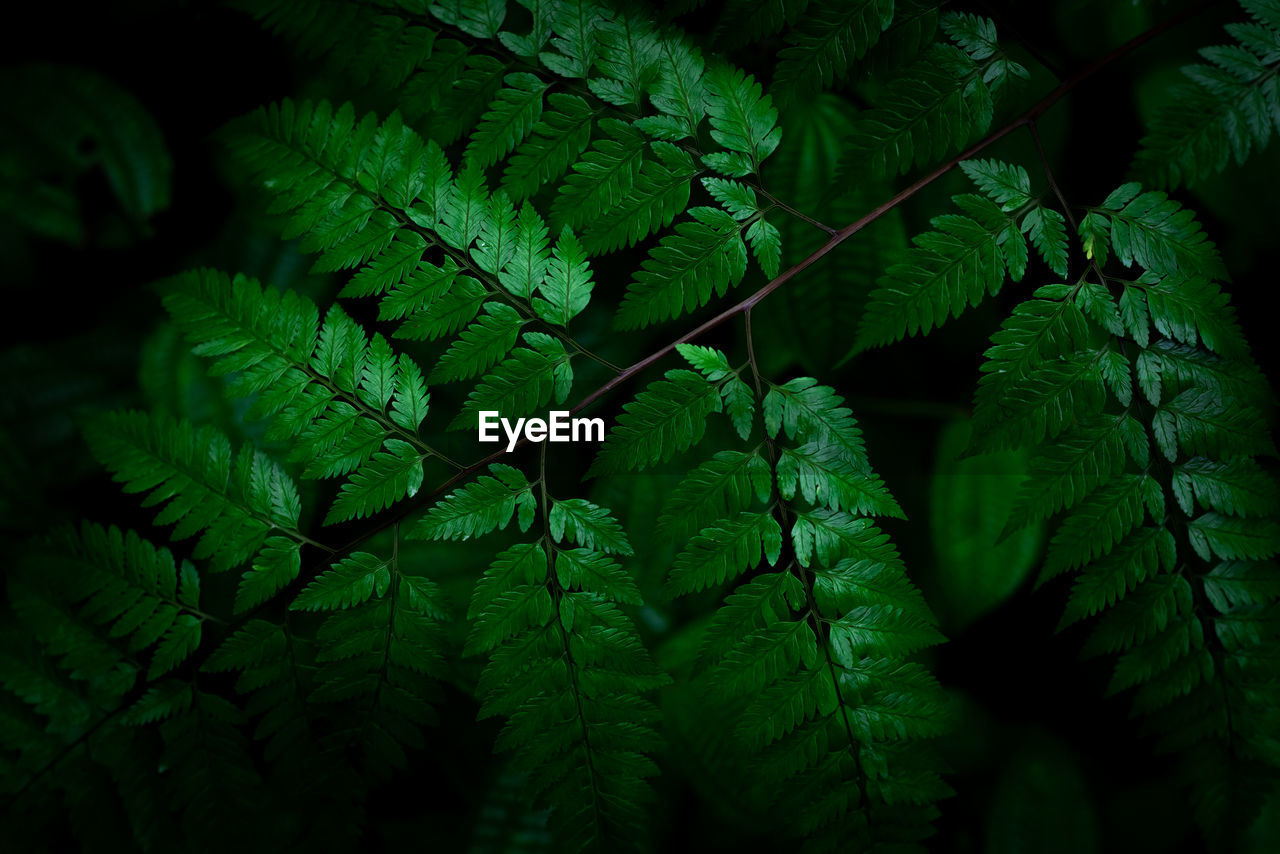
{"x": 1226, "y": 111}
{"x": 628, "y": 50}
{"x": 824, "y": 474}
{"x": 556, "y": 141}
{"x": 720, "y": 488}
{"x": 1144, "y": 563}
{"x": 509, "y": 120}
{"x": 530, "y": 256}
{"x": 525, "y": 381}
{"x": 1103, "y": 519}
{"x": 603, "y": 177}
{"x": 376, "y": 658}
{"x": 951, "y": 269}
{"x": 233, "y": 500}
{"x": 1064, "y": 472}
{"x": 936, "y": 106}
{"x": 566, "y": 666}
{"x": 808, "y": 661}
{"x": 914, "y": 26}
{"x": 660, "y": 192}
{"x": 482, "y": 506}
{"x": 353, "y": 405}
{"x": 678, "y": 92}
{"x": 566, "y": 289}
{"x": 1151, "y": 231}
{"x": 723, "y": 551}
{"x": 804, "y": 410}
{"x": 666, "y": 418}
{"x": 827, "y": 42}
{"x": 213, "y": 772}
{"x": 138, "y": 593}
{"x": 350, "y": 582}
{"x": 703, "y": 257}
{"x": 744, "y": 22}
{"x": 392, "y": 473}
{"x": 1237, "y": 487}
{"x": 381, "y": 181}
{"x": 479, "y": 19}
{"x": 743, "y": 120}
{"x": 481, "y": 345}
{"x": 966, "y": 258}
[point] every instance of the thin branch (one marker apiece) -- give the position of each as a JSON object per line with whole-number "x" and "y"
{"x": 803, "y": 217}
{"x": 303, "y": 538}
{"x": 1048, "y": 173}
{"x": 751, "y": 357}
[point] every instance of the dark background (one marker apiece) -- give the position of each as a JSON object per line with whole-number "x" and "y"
{"x": 1033, "y": 721}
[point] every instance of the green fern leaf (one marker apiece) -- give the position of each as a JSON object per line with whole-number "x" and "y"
{"x": 509, "y": 120}
{"x": 1048, "y": 232}
{"x": 522, "y": 383}
{"x": 528, "y": 264}
{"x": 1151, "y": 231}
{"x": 827, "y": 42}
{"x": 628, "y": 48}
{"x": 744, "y": 22}
{"x": 823, "y": 474}
{"x": 938, "y": 105}
{"x": 679, "y": 92}
{"x": 1201, "y": 422}
{"x": 739, "y": 400}
{"x": 703, "y": 257}
{"x": 388, "y": 476}
{"x": 949, "y": 270}
{"x": 724, "y": 551}
{"x": 495, "y": 246}
{"x": 664, "y": 419}
{"x": 234, "y": 499}
{"x": 1105, "y": 582}
{"x": 482, "y": 506}
{"x": 566, "y": 289}
{"x": 1102, "y": 520}
{"x": 1225, "y": 111}
{"x": 742, "y": 120}
{"x": 660, "y": 192}
{"x": 830, "y": 536}
{"x": 134, "y": 590}
{"x": 573, "y": 24}
{"x": 479, "y": 18}
{"x": 1076, "y": 464}
{"x": 592, "y": 572}
{"x": 1007, "y": 185}
{"x": 481, "y": 345}
{"x": 275, "y": 566}
{"x": 588, "y": 525}
{"x": 808, "y": 412}
{"x": 1214, "y": 535}
{"x": 722, "y": 487}
{"x": 1237, "y": 487}
{"x": 603, "y": 177}
{"x": 556, "y": 141}
{"x": 433, "y": 302}
{"x": 350, "y": 582}
{"x": 465, "y": 213}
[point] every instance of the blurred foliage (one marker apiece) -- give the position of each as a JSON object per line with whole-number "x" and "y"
{"x": 977, "y": 568}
